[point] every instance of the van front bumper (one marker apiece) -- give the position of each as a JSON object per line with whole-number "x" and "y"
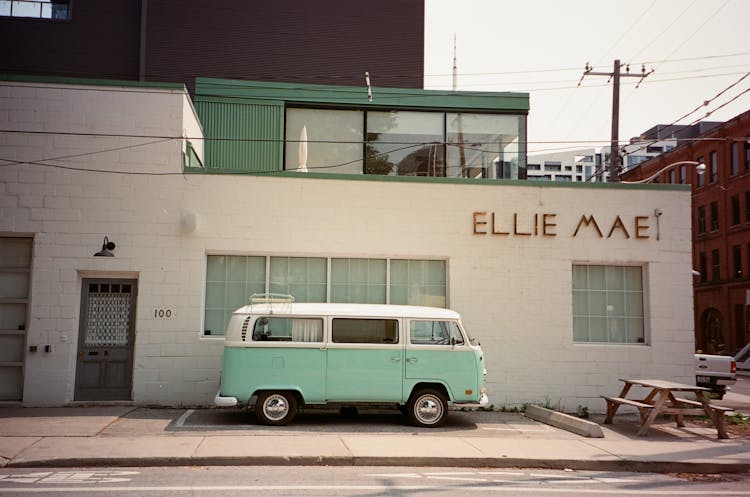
{"x": 221, "y": 401}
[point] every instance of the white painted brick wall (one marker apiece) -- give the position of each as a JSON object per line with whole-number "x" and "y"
{"x": 513, "y": 292}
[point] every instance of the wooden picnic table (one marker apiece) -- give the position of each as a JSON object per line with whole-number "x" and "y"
{"x": 661, "y": 399}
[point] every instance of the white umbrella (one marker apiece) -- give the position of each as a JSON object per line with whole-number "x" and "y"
{"x": 302, "y": 151}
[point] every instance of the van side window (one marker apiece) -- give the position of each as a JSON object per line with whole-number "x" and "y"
{"x": 435, "y": 333}
{"x": 364, "y": 330}
{"x": 288, "y": 329}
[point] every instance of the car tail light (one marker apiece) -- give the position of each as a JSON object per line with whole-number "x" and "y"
{"x": 734, "y": 367}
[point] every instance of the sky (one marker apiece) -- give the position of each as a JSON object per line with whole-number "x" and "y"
{"x": 696, "y": 48}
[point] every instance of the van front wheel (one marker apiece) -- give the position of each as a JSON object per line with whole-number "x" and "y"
{"x": 427, "y": 408}
{"x": 276, "y": 408}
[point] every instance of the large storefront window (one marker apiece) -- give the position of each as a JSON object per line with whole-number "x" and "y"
{"x": 406, "y": 143}
{"x": 231, "y": 280}
{"x": 358, "y": 281}
{"x": 418, "y": 282}
{"x": 608, "y": 304}
{"x": 302, "y": 277}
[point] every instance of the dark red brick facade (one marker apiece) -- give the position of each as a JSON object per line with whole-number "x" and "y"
{"x": 721, "y": 231}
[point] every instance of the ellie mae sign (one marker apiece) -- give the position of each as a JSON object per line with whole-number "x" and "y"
{"x": 545, "y": 224}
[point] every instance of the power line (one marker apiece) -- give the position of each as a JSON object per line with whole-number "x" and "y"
{"x": 160, "y": 139}
{"x": 626, "y": 31}
{"x": 704, "y": 104}
{"x": 10, "y": 162}
{"x": 576, "y": 69}
{"x": 653, "y": 40}
{"x": 722, "y": 106}
{"x": 689, "y": 59}
{"x": 708, "y": 19}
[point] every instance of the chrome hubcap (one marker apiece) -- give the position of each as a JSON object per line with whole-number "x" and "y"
{"x": 429, "y": 409}
{"x": 275, "y": 407}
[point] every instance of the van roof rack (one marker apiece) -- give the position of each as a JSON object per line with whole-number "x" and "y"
{"x": 271, "y": 298}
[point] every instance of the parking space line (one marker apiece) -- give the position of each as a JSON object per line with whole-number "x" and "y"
{"x": 181, "y": 420}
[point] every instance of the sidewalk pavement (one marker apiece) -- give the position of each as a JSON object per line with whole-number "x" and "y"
{"x": 136, "y": 436}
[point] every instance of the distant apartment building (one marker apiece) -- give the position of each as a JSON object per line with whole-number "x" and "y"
{"x": 590, "y": 164}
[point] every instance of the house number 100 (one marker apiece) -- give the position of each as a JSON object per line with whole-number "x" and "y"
{"x": 162, "y": 313}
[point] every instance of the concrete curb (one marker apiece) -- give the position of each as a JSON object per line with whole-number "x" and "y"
{"x": 625, "y": 465}
{"x": 564, "y": 421}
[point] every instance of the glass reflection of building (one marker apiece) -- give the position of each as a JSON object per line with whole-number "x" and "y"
{"x": 408, "y": 143}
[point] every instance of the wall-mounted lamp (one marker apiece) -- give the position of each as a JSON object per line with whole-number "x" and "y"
{"x": 188, "y": 221}
{"x": 107, "y": 248}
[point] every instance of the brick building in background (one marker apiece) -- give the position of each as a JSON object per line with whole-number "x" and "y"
{"x": 721, "y": 229}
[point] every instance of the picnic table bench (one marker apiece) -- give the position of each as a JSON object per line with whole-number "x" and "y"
{"x": 661, "y": 399}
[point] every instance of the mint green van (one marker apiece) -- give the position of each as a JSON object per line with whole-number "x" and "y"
{"x": 280, "y": 356}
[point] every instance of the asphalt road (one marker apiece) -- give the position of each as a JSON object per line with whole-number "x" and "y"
{"x": 359, "y": 481}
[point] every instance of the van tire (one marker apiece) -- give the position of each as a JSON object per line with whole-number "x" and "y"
{"x": 276, "y": 408}
{"x": 427, "y": 408}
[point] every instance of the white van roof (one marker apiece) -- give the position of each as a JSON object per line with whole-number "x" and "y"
{"x": 354, "y": 310}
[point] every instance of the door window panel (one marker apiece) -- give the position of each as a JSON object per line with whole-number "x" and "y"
{"x": 378, "y": 331}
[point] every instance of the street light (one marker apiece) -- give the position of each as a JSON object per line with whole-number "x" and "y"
{"x": 700, "y": 168}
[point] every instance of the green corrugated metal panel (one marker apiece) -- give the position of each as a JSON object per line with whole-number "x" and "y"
{"x": 242, "y": 136}
{"x": 357, "y": 96}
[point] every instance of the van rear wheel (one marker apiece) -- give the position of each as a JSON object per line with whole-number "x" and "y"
{"x": 427, "y": 408}
{"x": 276, "y": 408}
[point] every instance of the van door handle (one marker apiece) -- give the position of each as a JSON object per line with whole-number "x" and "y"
{"x": 395, "y": 359}
{"x": 411, "y": 359}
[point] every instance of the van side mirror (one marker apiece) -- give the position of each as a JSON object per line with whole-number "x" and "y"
{"x": 453, "y": 341}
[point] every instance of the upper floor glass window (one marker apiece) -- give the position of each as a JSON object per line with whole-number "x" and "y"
{"x": 702, "y": 219}
{"x": 714, "y": 167}
{"x": 37, "y": 9}
{"x": 735, "y": 202}
{"x": 700, "y": 181}
{"x": 324, "y": 141}
{"x": 485, "y": 145}
{"x": 714, "y": 216}
{"x": 735, "y": 159}
{"x": 405, "y": 143}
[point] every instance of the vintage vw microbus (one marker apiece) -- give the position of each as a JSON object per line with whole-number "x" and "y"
{"x": 282, "y": 355}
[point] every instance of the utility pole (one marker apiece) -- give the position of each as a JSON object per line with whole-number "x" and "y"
{"x": 614, "y": 76}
